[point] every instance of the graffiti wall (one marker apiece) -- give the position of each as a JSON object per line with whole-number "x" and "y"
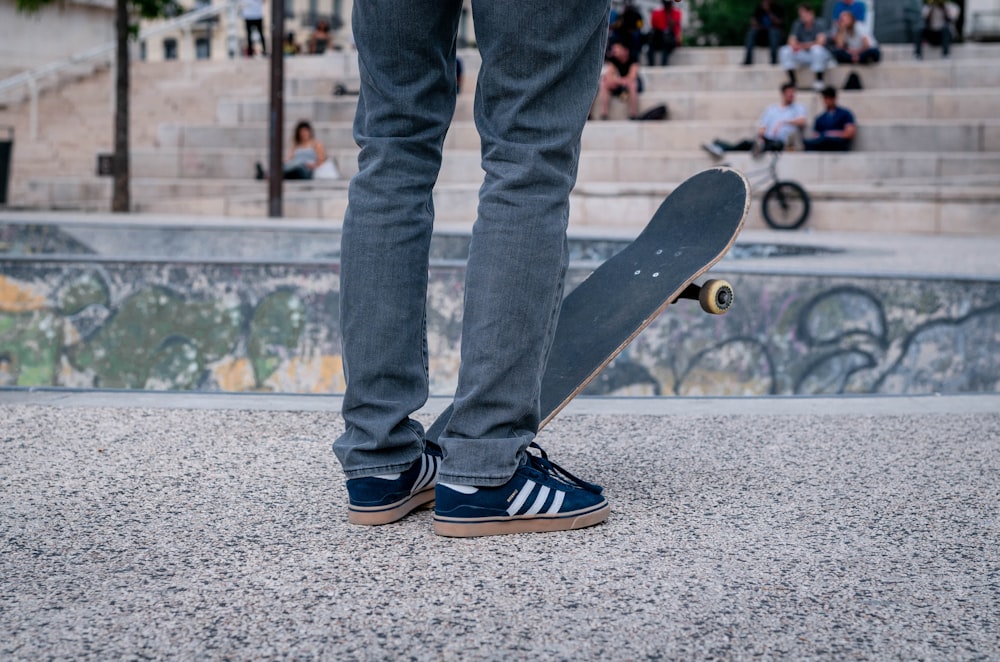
{"x": 71, "y": 317}
{"x": 796, "y": 335}
{"x": 274, "y": 328}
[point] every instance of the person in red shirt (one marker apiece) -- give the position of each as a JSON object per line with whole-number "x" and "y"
{"x": 665, "y": 33}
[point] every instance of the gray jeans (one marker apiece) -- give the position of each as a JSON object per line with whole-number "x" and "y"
{"x": 539, "y": 76}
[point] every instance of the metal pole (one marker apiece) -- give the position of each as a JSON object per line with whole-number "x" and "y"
{"x": 33, "y": 109}
{"x": 232, "y": 41}
{"x": 277, "y": 123}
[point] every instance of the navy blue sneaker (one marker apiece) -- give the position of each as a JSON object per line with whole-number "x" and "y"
{"x": 541, "y": 496}
{"x": 385, "y": 499}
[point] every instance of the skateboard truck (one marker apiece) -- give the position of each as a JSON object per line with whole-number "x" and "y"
{"x": 715, "y": 296}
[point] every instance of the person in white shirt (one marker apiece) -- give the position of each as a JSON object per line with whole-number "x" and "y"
{"x": 779, "y": 124}
{"x": 852, "y": 43}
{"x": 939, "y": 24}
{"x": 253, "y": 18}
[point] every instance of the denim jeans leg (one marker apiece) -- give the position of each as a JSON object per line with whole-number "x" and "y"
{"x": 537, "y": 82}
{"x": 406, "y": 55}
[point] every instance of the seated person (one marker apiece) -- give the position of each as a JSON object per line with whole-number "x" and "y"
{"x": 939, "y": 18}
{"x": 321, "y": 39}
{"x": 290, "y": 47}
{"x": 765, "y": 22}
{"x": 620, "y": 76}
{"x": 306, "y": 155}
{"x": 665, "y": 32}
{"x": 852, "y": 43}
{"x": 806, "y": 46}
{"x": 835, "y": 127}
{"x": 778, "y": 124}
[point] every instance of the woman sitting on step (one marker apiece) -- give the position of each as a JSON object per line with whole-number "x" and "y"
{"x": 306, "y": 155}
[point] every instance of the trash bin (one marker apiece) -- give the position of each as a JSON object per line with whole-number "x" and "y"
{"x": 6, "y": 149}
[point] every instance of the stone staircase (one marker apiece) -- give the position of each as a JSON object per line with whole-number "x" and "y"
{"x": 927, "y": 157}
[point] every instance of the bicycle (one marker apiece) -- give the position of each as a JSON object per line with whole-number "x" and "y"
{"x": 785, "y": 204}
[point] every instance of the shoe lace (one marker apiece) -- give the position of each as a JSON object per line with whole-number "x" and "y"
{"x": 545, "y": 465}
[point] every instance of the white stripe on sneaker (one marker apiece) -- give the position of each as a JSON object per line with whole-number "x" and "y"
{"x": 430, "y": 477}
{"x": 536, "y": 507}
{"x": 422, "y": 476}
{"x": 556, "y": 503}
{"x": 522, "y": 497}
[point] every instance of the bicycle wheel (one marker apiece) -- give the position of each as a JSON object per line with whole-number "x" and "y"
{"x": 785, "y": 205}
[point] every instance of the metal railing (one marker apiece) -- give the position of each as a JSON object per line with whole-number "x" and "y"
{"x": 104, "y": 55}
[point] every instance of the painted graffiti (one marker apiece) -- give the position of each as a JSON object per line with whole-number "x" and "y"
{"x": 795, "y": 335}
{"x": 253, "y": 327}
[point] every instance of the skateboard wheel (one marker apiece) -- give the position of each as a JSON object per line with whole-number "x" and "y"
{"x": 716, "y": 297}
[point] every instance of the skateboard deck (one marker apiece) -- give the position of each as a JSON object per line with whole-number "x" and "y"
{"x": 693, "y": 229}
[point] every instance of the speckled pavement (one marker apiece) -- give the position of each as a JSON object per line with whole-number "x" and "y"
{"x": 154, "y": 526}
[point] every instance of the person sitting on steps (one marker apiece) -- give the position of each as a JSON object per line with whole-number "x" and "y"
{"x": 806, "y": 46}
{"x": 320, "y": 40}
{"x": 620, "y": 76}
{"x": 664, "y": 34}
{"x": 852, "y": 43}
{"x": 939, "y": 17}
{"x": 779, "y": 124}
{"x": 306, "y": 155}
{"x": 835, "y": 127}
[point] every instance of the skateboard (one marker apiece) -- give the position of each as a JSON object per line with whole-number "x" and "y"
{"x": 693, "y": 229}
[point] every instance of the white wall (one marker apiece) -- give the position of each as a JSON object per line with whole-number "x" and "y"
{"x": 31, "y": 40}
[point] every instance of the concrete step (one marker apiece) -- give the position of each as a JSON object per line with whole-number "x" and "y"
{"x": 919, "y": 208}
{"x": 903, "y": 74}
{"x": 322, "y": 71}
{"x": 982, "y": 135}
{"x": 903, "y": 104}
{"x": 626, "y": 166}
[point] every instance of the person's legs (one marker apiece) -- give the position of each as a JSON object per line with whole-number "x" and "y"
{"x": 744, "y": 145}
{"x": 826, "y": 144}
{"x": 257, "y": 25}
{"x": 406, "y": 56}
{"x": 842, "y": 56}
{"x": 786, "y": 56}
{"x": 263, "y": 39}
{"x": 248, "y": 25}
{"x": 870, "y": 56}
{"x": 300, "y": 171}
{"x": 632, "y": 88}
{"x": 792, "y": 59}
{"x": 774, "y": 40}
{"x": 748, "y": 44}
{"x": 819, "y": 59}
{"x": 656, "y": 44}
{"x": 538, "y": 78}
{"x": 604, "y": 92}
{"x": 668, "y": 50}
{"x": 945, "y": 41}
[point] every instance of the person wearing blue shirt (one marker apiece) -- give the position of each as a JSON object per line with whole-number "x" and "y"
{"x": 835, "y": 127}
{"x": 856, "y": 7}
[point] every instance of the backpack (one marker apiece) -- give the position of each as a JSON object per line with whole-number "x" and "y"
{"x": 853, "y": 81}
{"x": 655, "y": 113}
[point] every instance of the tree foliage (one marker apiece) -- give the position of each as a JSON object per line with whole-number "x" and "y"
{"x": 725, "y": 22}
{"x": 138, "y": 8}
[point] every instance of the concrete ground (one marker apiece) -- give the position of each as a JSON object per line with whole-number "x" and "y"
{"x": 152, "y": 525}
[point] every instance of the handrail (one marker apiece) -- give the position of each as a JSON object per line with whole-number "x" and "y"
{"x": 28, "y": 78}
